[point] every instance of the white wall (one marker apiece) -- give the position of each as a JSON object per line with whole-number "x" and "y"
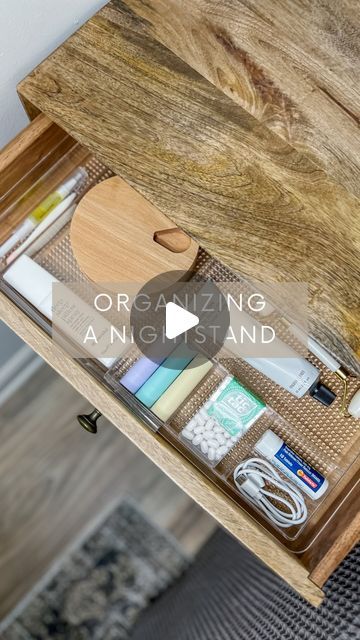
{"x": 29, "y": 31}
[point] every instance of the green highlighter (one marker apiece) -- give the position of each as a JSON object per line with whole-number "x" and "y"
{"x": 165, "y": 375}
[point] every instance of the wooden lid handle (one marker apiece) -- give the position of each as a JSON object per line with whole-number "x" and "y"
{"x": 174, "y": 240}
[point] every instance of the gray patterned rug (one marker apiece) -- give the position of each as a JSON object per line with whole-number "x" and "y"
{"x": 100, "y": 590}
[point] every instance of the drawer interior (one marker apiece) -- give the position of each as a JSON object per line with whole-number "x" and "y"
{"x": 325, "y": 437}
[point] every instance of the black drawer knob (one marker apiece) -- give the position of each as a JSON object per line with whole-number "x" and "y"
{"x": 89, "y": 422}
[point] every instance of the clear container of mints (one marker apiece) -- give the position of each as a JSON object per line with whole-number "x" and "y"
{"x": 222, "y": 420}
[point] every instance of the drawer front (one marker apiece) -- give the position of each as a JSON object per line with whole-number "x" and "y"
{"x": 42, "y": 135}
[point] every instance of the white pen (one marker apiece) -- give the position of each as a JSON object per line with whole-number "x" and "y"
{"x": 320, "y": 352}
{"x": 43, "y": 210}
{"x": 313, "y": 346}
{"x": 45, "y": 224}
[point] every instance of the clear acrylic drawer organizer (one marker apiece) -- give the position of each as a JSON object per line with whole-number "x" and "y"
{"x": 324, "y": 437}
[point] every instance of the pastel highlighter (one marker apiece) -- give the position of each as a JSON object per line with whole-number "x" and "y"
{"x": 139, "y": 373}
{"x": 184, "y": 384}
{"x": 165, "y": 375}
{"x": 143, "y": 368}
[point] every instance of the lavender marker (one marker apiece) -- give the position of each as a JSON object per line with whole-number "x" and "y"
{"x": 139, "y": 373}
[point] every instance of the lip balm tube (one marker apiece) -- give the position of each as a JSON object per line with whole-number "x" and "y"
{"x": 42, "y": 210}
{"x": 35, "y": 285}
{"x": 177, "y": 393}
{"x": 292, "y": 465}
{"x": 165, "y": 375}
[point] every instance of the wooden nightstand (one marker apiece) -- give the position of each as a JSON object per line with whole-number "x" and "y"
{"x": 268, "y": 207}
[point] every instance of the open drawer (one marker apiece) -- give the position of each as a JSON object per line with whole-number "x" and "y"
{"x": 44, "y": 155}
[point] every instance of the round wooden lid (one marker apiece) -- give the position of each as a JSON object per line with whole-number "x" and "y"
{"x": 118, "y": 236}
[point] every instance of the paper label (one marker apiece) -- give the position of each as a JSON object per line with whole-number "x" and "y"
{"x": 235, "y": 408}
{"x": 301, "y": 469}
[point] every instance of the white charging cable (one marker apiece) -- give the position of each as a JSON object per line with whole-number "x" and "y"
{"x": 254, "y": 477}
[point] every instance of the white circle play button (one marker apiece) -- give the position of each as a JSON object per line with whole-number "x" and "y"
{"x": 192, "y": 311}
{"x": 178, "y": 320}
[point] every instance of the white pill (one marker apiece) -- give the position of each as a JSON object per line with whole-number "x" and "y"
{"x": 220, "y": 438}
{"x": 226, "y": 435}
{"x": 187, "y": 434}
{"x": 198, "y": 429}
{"x": 234, "y": 438}
{"x": 204, "y": 446}
{"x": 213, "y": 443}
{"x": 212, "y": 423}
{"x": 190, "y": 426}
{"x": 208, "y": 435}
{"x": 211, "y": 453}
{"x": 221, "y": 451}
{"x": 198, "y": 438}
{"x": 218, "y": 429}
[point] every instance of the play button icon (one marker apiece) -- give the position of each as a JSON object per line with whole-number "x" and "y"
{"x": 178, "y": 320}
{"x": 168, "y": 311}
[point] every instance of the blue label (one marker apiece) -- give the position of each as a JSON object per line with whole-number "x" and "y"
{"x": 311, "y": 478}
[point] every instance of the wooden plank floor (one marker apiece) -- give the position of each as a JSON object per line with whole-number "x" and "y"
{"x": 57, "y": 482}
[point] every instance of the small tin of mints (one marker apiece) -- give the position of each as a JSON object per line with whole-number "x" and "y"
{"x": 222, "y": 420}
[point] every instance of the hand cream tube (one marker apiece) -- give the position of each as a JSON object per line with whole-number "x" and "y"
{"x": 294, "y": 374}
{"x": 290, "y": 370}
{"x": 35, "y": 284}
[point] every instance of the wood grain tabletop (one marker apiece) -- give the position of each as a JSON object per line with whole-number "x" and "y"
{"x": 275, "y": 206}
{"x": 293, "y": 64}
